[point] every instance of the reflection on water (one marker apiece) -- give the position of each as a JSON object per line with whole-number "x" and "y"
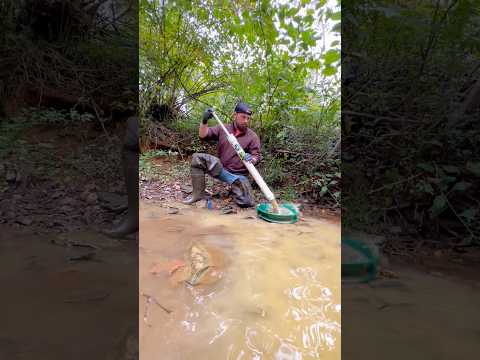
{"x": 278, "y": 298}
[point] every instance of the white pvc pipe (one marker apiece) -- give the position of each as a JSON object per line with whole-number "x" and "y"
{"x": 253, "y": 171}
{"x": 259, "y": 180}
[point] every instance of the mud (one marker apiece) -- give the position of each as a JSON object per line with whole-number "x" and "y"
{"x": 56, "y": 308}
{"x": 416, "y": 315}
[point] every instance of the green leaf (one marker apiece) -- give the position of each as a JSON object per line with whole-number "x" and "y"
{"x": 334, "y": 43}
{"x": 335, "y": 16}
{"x": 337, "y": 27}
{"x": 320, "y": 4}
{"x": 448, "y": 179}
{"x": 331, "y": 56}
{"x": 451, "y": 169}
{"x": 469, "y": 214}
{"x": 292, "y": 32}
{"x": 308, "y": 19}
{"x": 461, "y": 186}
{"x": 292, "y": 11}
{"x": 323, "y": 191}
{"x": 426, "y": 167}
{"x": 313, "y": 64}
{"x": 474, "y": 167}
{"x": 434, "y": 142}
{"x": 329, "y": 70}
{"x": 427, "y": 188}
{"x": 439, "y": 205}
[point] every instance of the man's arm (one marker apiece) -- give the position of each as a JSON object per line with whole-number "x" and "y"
{"x": 203, "y": 129}
{"x": 254, "y": 150}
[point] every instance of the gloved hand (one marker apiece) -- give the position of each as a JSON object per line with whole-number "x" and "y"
{"x": 248, "y": 157}
{"x": 208, "y": 114}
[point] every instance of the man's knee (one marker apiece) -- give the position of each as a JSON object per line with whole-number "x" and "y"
{"x": 198, "y": 162}
{"x": 196, "y": 159}
{"x": 208, "y": 163}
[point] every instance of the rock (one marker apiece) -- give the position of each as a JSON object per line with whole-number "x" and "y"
{"x": 66, "y": 209}
{"x": 82, "y": 257}
{"x": 24, "y": 221}
{"x": 384, "y": 262}
{"x": 112, "y": 201}
{"x": 200, "y": 204}
{"x": 67, "y": 201}
{"x": 30, "y": 206}
{"x": 90, "y": 187}
{"x": 57, "y": 194}
{"x": 301, "y": 207}
{"x": 84, "y": 195}
{"x": 19, "y": 177}
{"x": 186, "y": 189}
{"x": 127, "y": 347}
{"x": 396, "y": 230}
{"x": 91, "y": 198}
{"x": 228, "y": 210}
{"x": 3, "y": 186}
{"x": 11, "y": 176}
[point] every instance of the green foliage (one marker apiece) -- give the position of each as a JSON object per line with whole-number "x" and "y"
{"x": 289, "y": 194}
{"x": 196, "y": 54}
{"x": 13, "y": 128}
{"x": 189, "y": 51}
{"x": 50, "y": 116}
{"x": 418, "y": 64}
{"x": 70, "y": 52}
{"x": 10, "y": 131}
{"x": 145, "y": 164}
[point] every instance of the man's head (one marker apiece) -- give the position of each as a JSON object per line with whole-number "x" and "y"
{"x": 242, "y": 116}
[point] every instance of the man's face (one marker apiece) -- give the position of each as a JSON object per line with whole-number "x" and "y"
{"x": 241, "y": 121}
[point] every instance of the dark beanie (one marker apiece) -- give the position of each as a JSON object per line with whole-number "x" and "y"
{"x": 243, "y": 108}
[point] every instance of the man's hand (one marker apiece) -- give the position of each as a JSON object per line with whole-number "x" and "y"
{"x": 248, "y": 157}
{"x": 208, "y": 114}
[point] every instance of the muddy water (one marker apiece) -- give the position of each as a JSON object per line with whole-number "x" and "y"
{"x": 417, "y": 316}
{"x": 54, "y": 308}
{"x": 278, "y": 296}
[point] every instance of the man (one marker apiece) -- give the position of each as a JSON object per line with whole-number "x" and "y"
{"x": 130, "y": 155}
{"x": 228, "y": 167}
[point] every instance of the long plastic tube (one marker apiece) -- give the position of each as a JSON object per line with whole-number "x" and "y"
{"x": 251, "y": 169}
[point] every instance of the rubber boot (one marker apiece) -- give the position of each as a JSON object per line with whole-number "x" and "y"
{"x": 129, "y": 224}
{"x": 242, "y": 193}
{"x": 198, "y": 184}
